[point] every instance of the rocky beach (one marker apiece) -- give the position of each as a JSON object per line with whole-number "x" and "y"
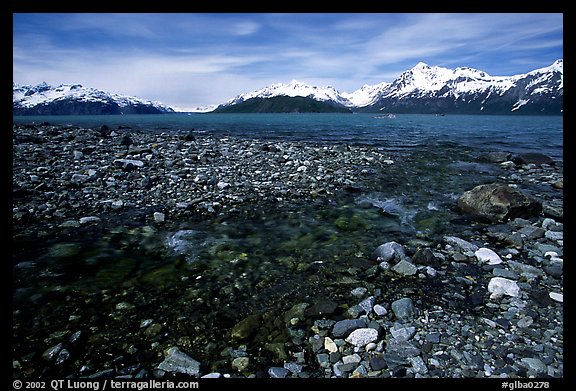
{"x": 170, "y": 255}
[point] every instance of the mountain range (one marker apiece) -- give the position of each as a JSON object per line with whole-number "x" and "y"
{"x": 74, "y": 99}
{"x": 425, "y": 89}
{"x": 422, "y": 89}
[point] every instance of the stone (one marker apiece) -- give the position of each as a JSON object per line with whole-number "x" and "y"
{"x": 128, "y": 164}
{"x": 246, "y": 327}
{"x": 367, "y": 304}
{"x": 177, "y": 361}
{"x": 405, "y": 268}
{"x": 534, "y": 365}
{"x": 533, "y": 158}
{"x": 402, "y": 333}
{"x": 418, "y": 365}
{"x": 497, "y": 202}
{"x": 330, "y": 345}
{"x": 240, "y": 363}
{"x": 358, "y": 292}
{"x": 460, "y": 243}
{"x": 293, "y": 367}
{"x": 344, "y": 327}
{"x": 559, "y": 297}
{"x": 554, "y": 235}
{"x": 89, "y": 219}
{"x": 488, "y": 256}
{"x": 362, "y": 337}
{"x": 212, "y": 375}
{"x": 321, "y": 308}
{"x": 52, "y": 352}
{"x": 380, "y": 310}
{"x": 524, "y": 269}
{"x": 159, "y": 217}
{"x": 278, "y": 372}
{"x": 403, "y": 308}
{"x": 389, "y": 252}
{"x": 499, "y": 287}
{"x": 424, "y": 256}
{"x": 495, "y": 157}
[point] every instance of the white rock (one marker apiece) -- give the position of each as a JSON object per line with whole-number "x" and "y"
{"x": 488, "y": 256}
{"x": 330, "y": 345}
{"x": 89, "y": 219}
{"x": 559, "y": 297}
{"x": 361, "y": 337}
{"x": 380, "y": 310}
{"x": 159, "y": 217}
{"x": 499, "y": 286}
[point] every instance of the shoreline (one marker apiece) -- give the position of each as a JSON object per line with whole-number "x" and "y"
{"x": 130, "y": 186}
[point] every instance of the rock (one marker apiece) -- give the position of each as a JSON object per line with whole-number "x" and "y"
{"x": 495, "y": 157}
{"x": 358, "y": 292}
{"x": 533, "y": 158}
{"x": 499, "y": 287}
{"x": 128, "y": 164}
{"x": 78, "y": 155}
{"x": 524, "y": 269}
{"x": 398, "y": 351}
{"x": 246, "y": 327}
{"x": 361, "y": 337}
{"x": 418, "y": 365}
{"x": 389, "y": 252}
{"x": 293, "y": 367}
{"x": 405, "y": 268}
{"x": 89, "y": 219}
{"x": 403, "y": 308}
{"x": 240, "y": 363}
{"x": 460, "y": 243}
{"x": 559, "y": 297}
{"x": 380, "y": 310}
{"x": 78, "y": 179}
{"x": 424, "y": 256}
{"x": 343, "y": 328}
{"x": 296, "y": 312}
{"x": 50, "y": 353}
{"x": 534, "y": 365}
{"x": 485, "y": 255}
{"x": 159, "y": 217}
{"x": 176, "y": 361}
{"x": 498, "y": 203}
{"x": 330, "y": 345}
{"x": 402, "y": 333}
{"x": 554, "y": 235}
{"x": 278, "y": 372}
{"x": 321, "y": 308}
{"x": 212, "y": 375}
{"x": 367, "y": 304}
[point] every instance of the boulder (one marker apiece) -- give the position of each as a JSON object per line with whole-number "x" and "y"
{"x": 533, "y": 158}
{"x": 498, "y": 203}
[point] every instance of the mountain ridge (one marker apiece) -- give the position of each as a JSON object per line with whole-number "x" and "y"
{"x": 75, "y": 99}
{"x": 432, "y": 89}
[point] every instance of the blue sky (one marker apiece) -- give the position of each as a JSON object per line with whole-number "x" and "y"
{"x": 190, "y": 60}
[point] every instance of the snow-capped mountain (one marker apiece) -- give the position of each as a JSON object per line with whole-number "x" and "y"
{"x": 294, "y": 88}
{"x": 74, "y": 99}
{"x": 434, "y": 89}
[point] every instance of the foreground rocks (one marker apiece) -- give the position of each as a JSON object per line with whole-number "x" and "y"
{"x": 454, "y": 297}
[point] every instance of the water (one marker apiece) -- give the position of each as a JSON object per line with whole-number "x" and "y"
{"x": 198, "y": 279}
{"x": 514, "y": 134}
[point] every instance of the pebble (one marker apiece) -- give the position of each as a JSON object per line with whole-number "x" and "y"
{"x": 362, "y": 337}
{"x": 499, "y": 287}
{"x": 487, "y": 256}
{"x": 403, "y": 308}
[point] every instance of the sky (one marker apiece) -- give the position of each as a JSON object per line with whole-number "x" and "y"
{"x": 193, "y": 60}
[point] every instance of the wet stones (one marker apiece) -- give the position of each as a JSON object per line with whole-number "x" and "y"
{"x": 246, "y": 327}
{"x": 498, "y": 203}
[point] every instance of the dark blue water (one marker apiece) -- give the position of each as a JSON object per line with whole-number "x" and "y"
{"x": 514, "y": 134}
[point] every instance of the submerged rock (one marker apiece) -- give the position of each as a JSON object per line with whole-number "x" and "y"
{"x": 176, "y": 361}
